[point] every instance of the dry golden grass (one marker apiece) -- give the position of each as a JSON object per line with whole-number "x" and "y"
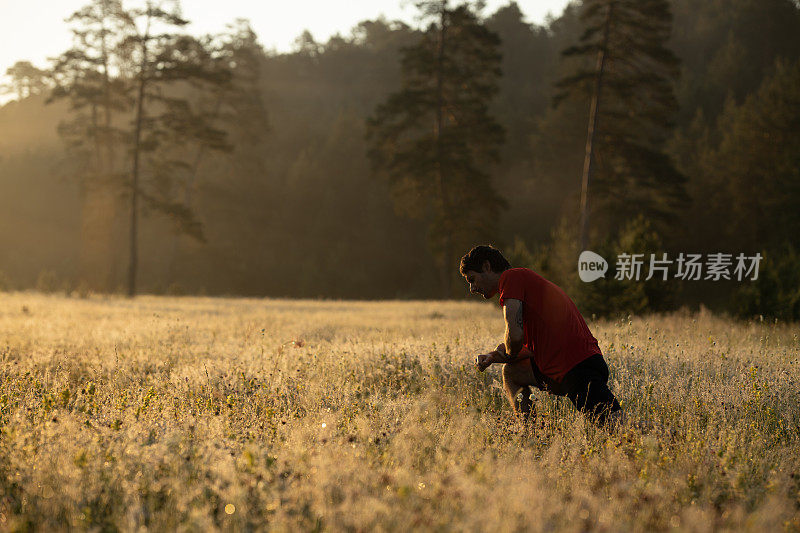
{"x": 200, "y": 414}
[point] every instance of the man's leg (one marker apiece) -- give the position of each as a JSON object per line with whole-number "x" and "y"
{"x": 596, "y": 401}
{"x": 589, "y": 390}
{"x": 518, "y": 378}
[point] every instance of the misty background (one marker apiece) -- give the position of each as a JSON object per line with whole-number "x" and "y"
{"x": 266, "y": 178}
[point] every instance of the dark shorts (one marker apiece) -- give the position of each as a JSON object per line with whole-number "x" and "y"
{"x": 586, "y": 386}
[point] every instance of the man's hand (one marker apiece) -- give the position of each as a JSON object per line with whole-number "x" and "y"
{"x": 503, "y": 357}
{"x": 484, "y": 360}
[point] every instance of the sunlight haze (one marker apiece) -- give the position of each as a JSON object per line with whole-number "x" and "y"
{"x": 34, "y": 31}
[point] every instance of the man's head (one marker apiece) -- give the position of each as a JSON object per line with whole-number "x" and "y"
{"x": 481, "y": 267}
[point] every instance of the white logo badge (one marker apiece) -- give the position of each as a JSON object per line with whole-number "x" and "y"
{"x": 591, "y": 266}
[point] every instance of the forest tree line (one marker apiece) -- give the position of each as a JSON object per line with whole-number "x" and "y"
{"x": 264, "y": 174}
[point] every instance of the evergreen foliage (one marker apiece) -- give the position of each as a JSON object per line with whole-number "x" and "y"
{"x": 756, "y": 166}
{"x": 636, "y": 106}
{"x": 132, "y": 62}
{"x": 435, "y": 137}
{"x": 292, "y": 208}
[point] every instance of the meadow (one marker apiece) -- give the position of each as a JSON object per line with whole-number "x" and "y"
{"x": 202, "y": 414}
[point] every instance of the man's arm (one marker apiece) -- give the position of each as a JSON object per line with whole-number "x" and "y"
{"x": 514, "y": 342}
{"x": 513, "y": 312}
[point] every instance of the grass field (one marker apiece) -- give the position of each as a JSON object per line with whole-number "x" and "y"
{"x": 203, "y": 414}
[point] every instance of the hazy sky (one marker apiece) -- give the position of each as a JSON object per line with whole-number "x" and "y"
{"x": 34, "y": 29}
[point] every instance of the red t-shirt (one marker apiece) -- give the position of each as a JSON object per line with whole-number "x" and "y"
{"x": 554, "y": 329}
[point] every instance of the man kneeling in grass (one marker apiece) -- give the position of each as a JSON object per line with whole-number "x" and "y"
{"x": 547, "y": 342}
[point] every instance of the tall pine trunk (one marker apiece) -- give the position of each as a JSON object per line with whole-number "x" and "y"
{"x": 588, "y": 162}
{"x": 447, "y": 251}
{"x": 111, "y": 203}
{"x": 133, "y": 257}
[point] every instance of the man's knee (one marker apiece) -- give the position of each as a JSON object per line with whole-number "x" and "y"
{"x": 518, "y": 373}
{"x": 507, "y": 375}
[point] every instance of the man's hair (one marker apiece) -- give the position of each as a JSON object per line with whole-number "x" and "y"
{"x": 474, "y": 259}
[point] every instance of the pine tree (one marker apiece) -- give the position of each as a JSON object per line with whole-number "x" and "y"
{"x": 235, "y": 108}
{"x": 626, "y": 73}
{"x": 164, "y": 62}
{"x": 26, "y": 80}
{"x": 85, "y": 75}
{"x": 756, "y": 166}
{"x": 435, "y": 137}
{"x": 133, "y": 82}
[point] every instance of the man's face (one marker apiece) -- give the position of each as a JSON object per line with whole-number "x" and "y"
{"x": 482, "y": 283}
